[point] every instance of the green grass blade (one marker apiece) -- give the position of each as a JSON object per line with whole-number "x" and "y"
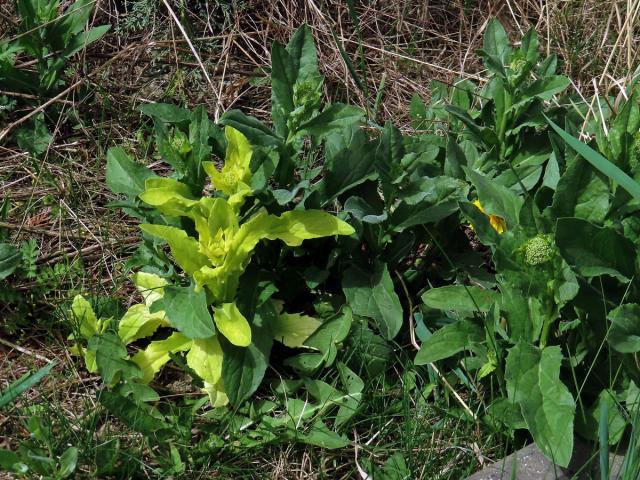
{"x": 603, "y": 440}
{"x": 24, "y": 383}
{"x": 348, "y": 62}
{"x": 599, "y": 162}
{"x": 376, "y": 105}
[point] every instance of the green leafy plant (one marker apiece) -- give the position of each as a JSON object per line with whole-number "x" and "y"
{"x": 51, "y": 38}
{"x": 214, "y": 253}
{"x": 564, "y": 293}
{"x": 19, "y": 267}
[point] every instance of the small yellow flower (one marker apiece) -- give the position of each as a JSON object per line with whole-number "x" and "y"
{"x": 498, "y": 223}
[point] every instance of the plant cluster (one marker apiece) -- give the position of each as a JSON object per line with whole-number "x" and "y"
{"x": 19, "y": 265}
{"x": 323, "y": 241}
{"x": 47, "y": 39}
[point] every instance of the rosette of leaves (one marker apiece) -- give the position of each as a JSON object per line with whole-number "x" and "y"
{"x": 213, "y": 249}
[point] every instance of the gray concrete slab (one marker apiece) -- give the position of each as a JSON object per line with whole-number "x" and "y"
{"x": 530, "y": 463}
{"x": 526, "y": 464}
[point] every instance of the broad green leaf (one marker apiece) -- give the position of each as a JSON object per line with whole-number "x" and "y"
{"x": 325, "y": 341}
{"x": 334, "y": 117}
{"x": 168, "y": 195}
{"x": 462, "y": 93}
{"x": 125, "y": 175}
{"x": 303, "y": 53}
{"x": 371, "y": 294}
{"x": 454, "y": 159}
{"x": 496, "y": 199}
{"x": 581, "y": 192}
{"x": 497, "y": 90}
{"x": 86, "y": 317}
{"x": 23, "y": 384}
{"x": 75, "y": 21}
{"x": 332, "y": 331}
{"x": 201, "y": 131}
{"x": 150, "y": 286}
{"x": 293, "y": 329}
{"x": 587, "y": 425}
{"x": 284, "y": 196}
{"x": 293, "y": 227}
{"x": 235, "y": 176}
{"x": 68, "y": 462}
{"x": 548, "y": 66}
{"x": 283, "y": 78}
{"x": 205, "y": 358}
{"x": 622, "y": 133}
{"x": 496, "y": 42}
{"x": 185, "y": 249}
{"x": 436, "y": 199}
{"x": 545, "y": 88}
{"x": 112, "y": 358}
{"x": 349, "y": 162}
{"x": 361, "y": 210}
{"x": 370, "y": 352}
{"x": 320, "y": 397}
{"x": 389, "y": 157}
{"x": 593, "y": 250}
{"x": 529, "y": 46}
{"x": 166, "y": 112}
{"x": 533, "y": 382}
{"x": 232, "y": 324}
{"x": 354, "y": 387}
{"x": 10, "y": 258}
{"x": 460, "y": 298}
{"x": 395, "y": 468}
{"x": 85, "y": 38}
{"x": 526, "y": 169}
{"x": 481, "y": 135}
{"x": 418, "y": 112}
{"x": 188, "y": 311}
{"x": 139, "y": 322}
{"x": 504, "y": 411}
{"x": 243, "y": 368}
{"x": 151, "y": 359}
{"x": 252, "y": 128}
{"x": 551, "y": 173}
{"x": 320, "y": 436}
{"x": 139, "y": 392}
{"x": 524, "y": 313}
{"x": 10, "y": 462}
{"x": 599, "y": 162}
{"x": 135, "y": 416}
{"x": 624, "y": 333}
{"x": 449, "y": 340}
{"x": 292, "y": 67}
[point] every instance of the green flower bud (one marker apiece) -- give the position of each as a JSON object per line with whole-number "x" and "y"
{"x": 306, "y": 93}
{"x": 539, "y": 249}
{"x": 518, "y": 66}
{"x": 180, "y": 142}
